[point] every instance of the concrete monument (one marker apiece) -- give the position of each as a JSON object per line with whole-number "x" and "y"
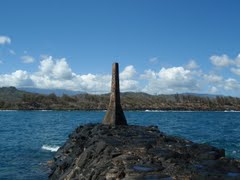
{"x": 115, "y": 115}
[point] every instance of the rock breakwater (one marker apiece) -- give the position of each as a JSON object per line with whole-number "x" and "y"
{"x": 98, "y": 152}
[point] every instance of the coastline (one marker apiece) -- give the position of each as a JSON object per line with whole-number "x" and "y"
{"x": 130, "y": 110}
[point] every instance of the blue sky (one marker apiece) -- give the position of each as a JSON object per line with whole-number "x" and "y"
{"x": 163, "y": 46}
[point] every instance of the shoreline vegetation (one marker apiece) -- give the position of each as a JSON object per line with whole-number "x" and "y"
{"x": 14, "y": 99}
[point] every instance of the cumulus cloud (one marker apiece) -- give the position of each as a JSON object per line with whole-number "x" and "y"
{"x": 225, "y": 61}
{"x": 57, "y": 69}
{"x": 221, "y": 61}
{"x": 192, "y": 65}
{"x": 56, "y": 74}
{"x": 27, "y": 59}
{"x": 149, "y": 74}
{"x": 174, "y": 73}
{"x": 237, "y": 61}
{"x": 235, "y": 71}
{"x": 128, "y": 72}
{"x": 219, "y": 84}
{"x": 170, "y": 80}
{"x": 129, "y": 85}
{"x": 93, "y": 83}
{"x": 213, "y": 78}
{"x": 213, "y": 90}
{"x": 4, "y": 40}
{"x": 18, "y": 78}
{"x": 231, "y": 84}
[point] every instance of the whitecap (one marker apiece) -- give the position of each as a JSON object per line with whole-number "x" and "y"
{"x": 7, "y": 110}
{"x": 147, "y": 110}
{"x": 50, "y": 148}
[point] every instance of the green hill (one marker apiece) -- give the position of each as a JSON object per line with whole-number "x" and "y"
{"x": 11, "y": 94}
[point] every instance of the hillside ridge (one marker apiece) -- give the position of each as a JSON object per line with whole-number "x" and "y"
{"x": 13, "y": 98}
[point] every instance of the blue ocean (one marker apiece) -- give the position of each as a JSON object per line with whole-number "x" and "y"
{"x": 29, "y": 139}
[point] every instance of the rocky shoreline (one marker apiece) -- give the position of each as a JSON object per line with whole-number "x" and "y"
{"x": 97, "y": 151}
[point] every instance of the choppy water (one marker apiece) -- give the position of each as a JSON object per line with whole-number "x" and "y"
{"x": 28, "y": 139}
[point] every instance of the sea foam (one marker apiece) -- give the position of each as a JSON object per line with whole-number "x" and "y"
{"x": 50, "y": 148}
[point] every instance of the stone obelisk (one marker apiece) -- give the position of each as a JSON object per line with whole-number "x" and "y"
{"x": 115, "y": 115}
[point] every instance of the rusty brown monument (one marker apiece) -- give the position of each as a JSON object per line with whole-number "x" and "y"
{"x": 115, "y": 114}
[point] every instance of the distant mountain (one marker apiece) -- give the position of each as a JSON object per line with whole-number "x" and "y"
{"x": 58, "y": 92}
{"x": 11, "y": 94}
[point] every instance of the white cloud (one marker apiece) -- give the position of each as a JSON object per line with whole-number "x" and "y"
{"x": 221, "y": 61}
{"x": 174, "y": 73}
{"x": 4, "y": 40}
{"x": 235, "y": 71}
{"x": 58, "y": 69}
{"x": 192, "y": 65}
{"x": 237, "y": 61}
{"x": 18, "y": 78}
{"x": 93, "y": 83}
{"x": 219, "y": 84}
{"x": 128, "y": 85}
{"x": 170, "y": 80}
{"x": 46, "y": 65}
{"x": 224, "y": 61}
{"x": 149, "y": 74}
{"x": 231, "y": 84}
{"x": 128, "y": 72}
{"x": 55, "y": 73}
{"x": 61, "y": 70}
{"x": 213, "y": 78}
{"x": 1, "y": 62}
{"x": 27, "y": 59}
{"x": 213, "y": 90}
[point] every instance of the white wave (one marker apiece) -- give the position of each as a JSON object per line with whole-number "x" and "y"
{"x": 50, "y": 148}
{"x": 147, "y": 110}
{"x": 8, "y": 110}
{"x": 231, "y": 111}
{"x": 44, "y": 110}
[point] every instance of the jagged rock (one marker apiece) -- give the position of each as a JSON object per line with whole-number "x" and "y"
{"x": 134, "y": 152}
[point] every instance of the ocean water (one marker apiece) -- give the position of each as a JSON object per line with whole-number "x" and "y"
{"x": 29, "y": 139}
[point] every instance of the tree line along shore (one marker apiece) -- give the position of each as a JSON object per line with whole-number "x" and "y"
{"x": 14, "y": 99}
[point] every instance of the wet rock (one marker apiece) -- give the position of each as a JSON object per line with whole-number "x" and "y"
{"x": 134, "y": 152}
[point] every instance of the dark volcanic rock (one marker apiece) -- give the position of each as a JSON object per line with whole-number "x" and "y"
{"x": 136, "y": 152}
